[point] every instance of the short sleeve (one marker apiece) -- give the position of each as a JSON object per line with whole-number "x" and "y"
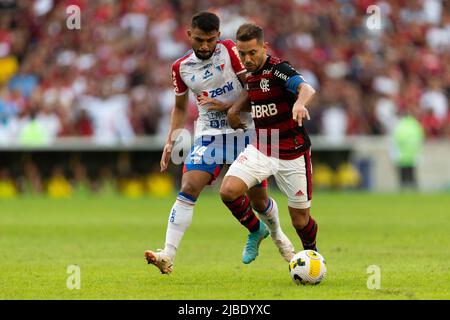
{"x": 236, "y": 63}
{"x": 180, "y": 87}
{"x": 288, "y": 75}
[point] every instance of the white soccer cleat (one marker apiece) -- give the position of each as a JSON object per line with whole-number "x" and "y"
{"x": 160, "y": 259}
{"x": 284, "y": 245}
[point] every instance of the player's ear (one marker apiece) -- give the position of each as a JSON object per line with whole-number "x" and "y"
{"x": 189, "y": 33}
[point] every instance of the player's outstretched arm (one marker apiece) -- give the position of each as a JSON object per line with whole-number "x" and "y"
{"x": 177, "y": 121}
{"x": 242, "y": 104}
{"x": 305, "y": 95}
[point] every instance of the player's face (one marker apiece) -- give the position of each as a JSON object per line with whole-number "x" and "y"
{"x": 203, "y": 43}
{"x": 252, "y": 54}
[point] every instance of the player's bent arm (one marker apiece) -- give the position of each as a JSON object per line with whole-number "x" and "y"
{"x": 305, "y": 95}
{"x": 242, "y": 104}
{"x": 213, "y": 104}
{"x": 217, "y": 105}
{"x": 243, "y": 99}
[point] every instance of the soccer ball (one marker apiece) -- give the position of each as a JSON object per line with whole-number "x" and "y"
{"x": 307, "y": 267}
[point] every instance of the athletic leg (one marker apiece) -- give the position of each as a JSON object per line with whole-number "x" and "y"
{"x": 305, "y": 226}
{"x": 232, "y": 192}
{"x": 294, "y": 177}
{"x": 267, "y": 210}
{"x": 180, "y": 218}
{"x": 233, "y": 196}
{"x": 249, "y": 169}
{"x": 181, "y": 213}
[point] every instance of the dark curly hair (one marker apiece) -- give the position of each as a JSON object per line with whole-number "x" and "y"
{"x": 205, "y": 21}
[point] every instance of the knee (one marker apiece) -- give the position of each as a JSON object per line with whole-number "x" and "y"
{"x": 300, "y": 220}
{"x": 299, "y": 224}
{"x": 190, "y": 188}
{"x": 228, "y": 193}
{"x": 260, "y": 203}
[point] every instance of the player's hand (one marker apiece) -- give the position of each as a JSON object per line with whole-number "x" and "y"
{"x": 299, "y": 112}
{"x": 212, "y": 104}
{"x": 234, "y": 120}
{"x": 166, "y": 156}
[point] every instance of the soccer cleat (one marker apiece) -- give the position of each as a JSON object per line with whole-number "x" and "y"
{"x": 252, "y": 246}
{"x": 284, "y": 246}
{"x": 160, "y": 259}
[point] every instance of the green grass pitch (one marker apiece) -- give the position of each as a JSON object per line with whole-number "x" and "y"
{"x": 406, "y": 235}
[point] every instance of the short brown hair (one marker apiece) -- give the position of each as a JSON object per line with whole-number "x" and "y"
{"x": 250, "y": 31}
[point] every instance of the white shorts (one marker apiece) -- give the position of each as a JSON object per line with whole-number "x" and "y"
{"x": 293, "y": 177}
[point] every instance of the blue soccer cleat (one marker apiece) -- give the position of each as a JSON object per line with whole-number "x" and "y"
{"x": 254, "y": 239}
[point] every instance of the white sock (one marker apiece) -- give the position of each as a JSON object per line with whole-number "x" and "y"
{"x": 179, "y": 220}
{"x": 271, "y": 219}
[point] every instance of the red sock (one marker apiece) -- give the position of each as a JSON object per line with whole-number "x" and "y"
{"x": 308, "y": 234}
{"x": 243, "y": 212}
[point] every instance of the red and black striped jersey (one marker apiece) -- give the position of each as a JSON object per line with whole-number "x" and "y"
{"x": 272, "y": 96}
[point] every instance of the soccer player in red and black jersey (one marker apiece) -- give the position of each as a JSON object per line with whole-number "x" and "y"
{"x": 213, "y": 71}
{"x": 278, "y": 96}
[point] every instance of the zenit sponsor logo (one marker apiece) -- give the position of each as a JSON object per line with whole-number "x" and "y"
{"x": 219, "y": 91}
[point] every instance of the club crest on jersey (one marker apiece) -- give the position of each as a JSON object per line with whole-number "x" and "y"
{"x": 220, "y": 67}
{"x": 264, "y": 85}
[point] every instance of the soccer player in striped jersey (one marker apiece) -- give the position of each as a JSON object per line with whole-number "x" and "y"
{"x": 278, "y": 96}
{"x": 213, "y": 72}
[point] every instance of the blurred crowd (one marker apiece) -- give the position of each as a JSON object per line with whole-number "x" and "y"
{"x": 67, "y": 175}
{"x": 110, "y": 80}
